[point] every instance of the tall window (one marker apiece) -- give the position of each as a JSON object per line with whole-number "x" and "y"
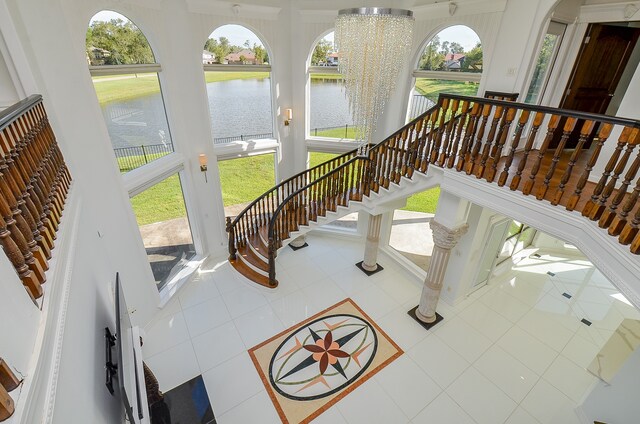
{"x": 544, "y": 63}
{"x": 329, "y": 115}
{"x": 451, "y": 62}
{"x": 243, "y": 180}
{"x": 238, "y": 78}
{"x": 519, "y": 237}
{"x": 125, "y": 77}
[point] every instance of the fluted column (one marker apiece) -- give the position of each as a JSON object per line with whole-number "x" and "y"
{"x": 444, "y": 239}
{"x": 369, "y": 264}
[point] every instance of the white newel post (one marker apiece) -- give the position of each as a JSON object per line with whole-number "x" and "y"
{"x": 371, "y": 245}
{"x": 444, "y": 239}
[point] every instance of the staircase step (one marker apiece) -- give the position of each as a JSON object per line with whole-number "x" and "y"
{"x": 249, "y": 273}
{"x": 254, "y": 261}
{"x": 259, "y": 248}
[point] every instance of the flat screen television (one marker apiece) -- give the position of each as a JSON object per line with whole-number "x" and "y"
{"x": 129, "y": 367}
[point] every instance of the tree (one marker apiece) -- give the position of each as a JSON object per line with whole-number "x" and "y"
{"x": 124, "y": 42}
{"x": 455, "y": 47}
{"x": 323, "y": 48}
{"x": 473, "y": 59}
{"x": 432, "y": 59}
{"x": 261, "y": 53}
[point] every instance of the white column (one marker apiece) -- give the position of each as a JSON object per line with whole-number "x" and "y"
{"x": 371, "y": 245}
{"x": 444, "y": 239}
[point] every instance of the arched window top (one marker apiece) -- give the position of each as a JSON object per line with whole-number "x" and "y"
{"x": 324, "y": 52}
{"x": 112, "y": 39}
{"x": 456, "y": 49}
{"x": 234, "y": 45}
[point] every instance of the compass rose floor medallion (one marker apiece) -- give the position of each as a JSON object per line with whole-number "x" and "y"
{"x": 312, "y": 365}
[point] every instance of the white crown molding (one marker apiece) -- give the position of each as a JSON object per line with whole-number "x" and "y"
{"x": 614, "y": 260}
{"x": 233, "y": 9}
{"x": 472, "y": 7}
{"x": 608, "y": 12}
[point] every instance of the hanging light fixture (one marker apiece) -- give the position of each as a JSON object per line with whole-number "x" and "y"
{"x": 373, "y": 44}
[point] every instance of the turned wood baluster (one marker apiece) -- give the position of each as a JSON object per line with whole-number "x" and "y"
{"x": 232, "y": 242}
{"x": 486, "y": 148}
{"x": 566, "y": 133}
{"x": 505, "y": 124}
{"x": 551, "y": 127}
{"x": 21, "y": 242}
{"x": 627, "y": 231}
{"x": 599, "y": 208}
{"x": 390, "y": 170}
{"x": 47, "y": 132}
{"x": 462, "y": 120}
{"x": 585, "y": 131}
{"x": 603, "y": 135}
{"x": 469, "y": 135}
{"x": 449, "y": 130}
{"x": 409, "y": 154}
{"x": 630, "y": 234}
{"x": 11, "y": 249}
{"x": 435, "y": 149}
{"x": 423, "y": 126}
{"x": 9, "y": 209}
{"x": 400, "y": 152}
{"x": 589, "y": 208}
{"x": 404, "y": 152}
{"x": 430, "y": 140}
{"x": 475, "y": 147}
{"x": 522, "y": 122}
{"x": 609, "y": 219}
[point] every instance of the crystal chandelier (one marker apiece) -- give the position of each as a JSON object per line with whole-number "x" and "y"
{"x": 373, "y": 44}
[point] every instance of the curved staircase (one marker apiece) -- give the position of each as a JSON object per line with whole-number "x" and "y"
{"x": 502, "y": 142}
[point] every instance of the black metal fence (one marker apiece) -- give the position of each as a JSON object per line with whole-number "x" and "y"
{"x": 314, "y": 131}
{"x": 242, "y": 137}
{"x": 130, "y": 158}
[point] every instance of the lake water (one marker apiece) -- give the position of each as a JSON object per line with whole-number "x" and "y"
{"x": 237, "y": 107}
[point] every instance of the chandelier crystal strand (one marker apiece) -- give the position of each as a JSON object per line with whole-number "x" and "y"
{"x": 373, "y": 45}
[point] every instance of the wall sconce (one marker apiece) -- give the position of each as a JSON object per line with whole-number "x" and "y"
{"x": 288, "y": 117}
{"x": 452, "y": 8}
{"x": 202, "y": 158}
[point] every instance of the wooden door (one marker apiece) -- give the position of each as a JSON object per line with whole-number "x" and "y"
{"x": 602, "y": 59}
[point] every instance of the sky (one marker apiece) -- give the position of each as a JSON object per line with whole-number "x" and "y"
{"x": 237, "y": 34}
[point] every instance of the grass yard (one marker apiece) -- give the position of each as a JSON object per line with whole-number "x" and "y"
{"x": 161, "y": 202}
{"x": 427, "y": 201}
{"x": 245, "y": 179}
{"x": 349, "y": 133}
{"x": 326, "y": 76}
{"x": 433, "y": 87}
{"x": 128, "y": 163}
{"x": 316, "y": 158}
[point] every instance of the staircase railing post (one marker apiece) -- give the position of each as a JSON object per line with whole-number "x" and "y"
{"x": 272, "y": 262}
{"x": 232, "y": 239}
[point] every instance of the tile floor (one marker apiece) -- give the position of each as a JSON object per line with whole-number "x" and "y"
{"x": 513, "y": 352}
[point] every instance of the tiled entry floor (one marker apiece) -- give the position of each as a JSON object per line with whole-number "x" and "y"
{"x": 513, "y": 352}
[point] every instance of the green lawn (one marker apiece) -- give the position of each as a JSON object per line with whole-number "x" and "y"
{"x": 427, "y": 201}
{"x": 433, "y": 87}
{"x": 161, "y": 202}
{"x": 128, "y": 163}
{"x": 326, "y": 76}
{"x": 350, "y": 133}
{"x": 245, "y": 179}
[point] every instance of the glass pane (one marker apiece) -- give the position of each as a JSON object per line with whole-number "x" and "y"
{"x": 507, "y": 249}
{"x": 541, "y": 71}
{"x": 411, "y": 236}
{"x": 426, "y": 92}
{"x": 329, "y": 108}
{"x": 514, "y": 229}
{"x": 245, "y": 179}
{"x": 456, "y": 48}
{"x": 133, "y": 110}
{"x": 112, "y": 39}
{"x": 316, "y": 158}
{"x": 525, "y": 238}
{"x": 164, "y": 225}
{"x": 240, "y": 105}
{"x": 234, "y": 45}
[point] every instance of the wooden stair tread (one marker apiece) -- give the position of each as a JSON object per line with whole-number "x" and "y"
{"x": 249, "y": 273}
{"x": 249, "y": 256}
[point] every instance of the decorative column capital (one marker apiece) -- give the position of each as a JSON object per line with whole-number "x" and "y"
{"x": 445, "y": 237}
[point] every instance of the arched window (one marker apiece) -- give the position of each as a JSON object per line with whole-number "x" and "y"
{"x": 238, "y": 79}
{"x": 125, "y": 76}
{"x": 126, "y": 79}
{"x": 451, "y": 62}
{"x": 329, "y": 115}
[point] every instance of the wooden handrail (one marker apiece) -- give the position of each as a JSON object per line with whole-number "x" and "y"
{"x": 520, "y": 146}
